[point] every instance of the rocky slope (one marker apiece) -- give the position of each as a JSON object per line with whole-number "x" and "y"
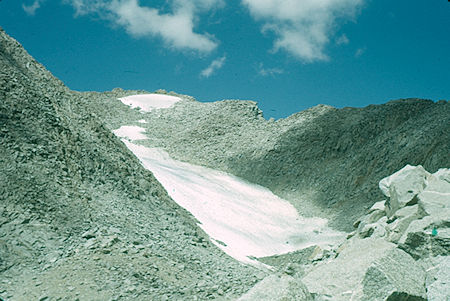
{"x": 326, "y": 161}
{"x": 80, "y": 218}
{"x": 399, "y": 251}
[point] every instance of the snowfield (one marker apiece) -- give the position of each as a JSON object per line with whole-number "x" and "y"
{"x": 148, "y": 102}
{"x": 243, "y": 219}
{"x": 131, "y": 132}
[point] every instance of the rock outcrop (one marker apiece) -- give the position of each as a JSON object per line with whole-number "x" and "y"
{"x": 400, "y": 249}
{"x": 368, "y": 269}
{"x": 416, "y": 214}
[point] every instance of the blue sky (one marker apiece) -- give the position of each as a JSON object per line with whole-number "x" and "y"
{"x": 286, "y": 55}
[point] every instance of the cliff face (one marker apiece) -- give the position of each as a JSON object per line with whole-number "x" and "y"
{"x": 79, "y": 215}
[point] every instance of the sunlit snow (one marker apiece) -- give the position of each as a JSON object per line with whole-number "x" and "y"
{"x": 148, "y": 102}
{"x": 132, "y": 132}
{"x": 243, "y": 219}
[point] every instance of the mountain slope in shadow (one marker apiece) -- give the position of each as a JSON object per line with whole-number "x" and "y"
{"x": 336, "y": 159}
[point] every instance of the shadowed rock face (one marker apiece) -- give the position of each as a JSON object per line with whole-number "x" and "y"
{"x": 340, "y": 155}
{"x": 79, "y": 215}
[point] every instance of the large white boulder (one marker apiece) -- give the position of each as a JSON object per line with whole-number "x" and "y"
{"x": 368, "y": 269}
{"x": 384, "y": 258}
{"x": 430, "y": 235}
{"x": 403, "y": 186}
{"x": 435, "y": 198}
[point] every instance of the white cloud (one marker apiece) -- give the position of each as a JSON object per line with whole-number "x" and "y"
{"x": 213, "y": 67}
{"x": 303, "y": 27}
{"x": 175, "y": 28}
{"x": 31, "y": 9}
{"x": 269, "y": 71}
{"x": 360, "y": 51}
{"x": 84, "y": 7}
{"x": 342, "y": 40}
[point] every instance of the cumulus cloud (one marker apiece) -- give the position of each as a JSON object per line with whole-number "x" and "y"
{"x": 213, "y": 67}
{"x": 175, "y": 28}
{"x": 31, "y": 9}
{"x": 303, "y": 27}
{"x": 269, "y": 71}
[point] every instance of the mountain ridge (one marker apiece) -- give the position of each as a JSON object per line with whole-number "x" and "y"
{"x": 324, "y": 160}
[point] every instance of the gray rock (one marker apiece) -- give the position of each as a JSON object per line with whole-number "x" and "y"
{"x": 443, "y": 174}
{"x": 402, "y": 187}
{"x": 435, "y": 199}
{"x": 401, "y": 220}
{"x": 394, "y": 276}
{"x": 438, "y": 287}
{"x": 420, "y": 222}
{"x": 420, "y": 241}
{"x": 430, "y": 235}
{"x": 373, "y": 216}
{"x": 378, "y": 206}
{"x": 278, "y": 288}
{"x": 377, "y": 229}
{"x": 88, "y": 234}
{"x": 367, "y": 269}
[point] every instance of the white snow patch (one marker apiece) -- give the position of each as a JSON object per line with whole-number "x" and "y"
{"x": 148, "y": 102}
{"x": 142, "y": 121}
{"x": 249, "y": 219}
{"x": 131, "y": 132}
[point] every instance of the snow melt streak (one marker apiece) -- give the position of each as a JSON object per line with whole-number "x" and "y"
{"x": 247, "y": 218}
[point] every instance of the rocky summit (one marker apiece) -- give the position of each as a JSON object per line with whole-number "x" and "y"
{"x": 81, "y": 218}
